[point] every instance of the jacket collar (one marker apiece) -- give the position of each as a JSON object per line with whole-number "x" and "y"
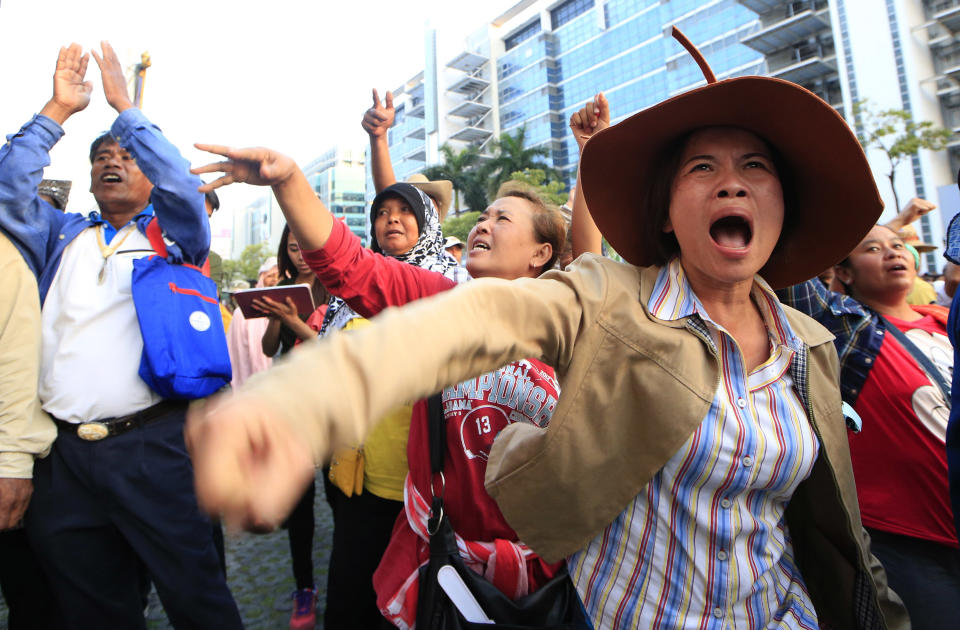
{"x": 672, "y": 299}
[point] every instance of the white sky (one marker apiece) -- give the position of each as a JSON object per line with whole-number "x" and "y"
{"x": 291, "y": 75}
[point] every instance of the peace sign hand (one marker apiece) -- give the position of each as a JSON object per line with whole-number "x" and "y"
{"x": 379, "y": 118}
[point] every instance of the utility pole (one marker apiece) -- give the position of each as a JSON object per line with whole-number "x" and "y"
{"x": 140, "y": 78}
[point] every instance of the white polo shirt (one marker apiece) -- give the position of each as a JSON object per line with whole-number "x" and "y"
{"x": 91, "y": 338}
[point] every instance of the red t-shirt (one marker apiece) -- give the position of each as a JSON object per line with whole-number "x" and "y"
{"x": 899, "y": 458}
{"x": 475, "y": 411}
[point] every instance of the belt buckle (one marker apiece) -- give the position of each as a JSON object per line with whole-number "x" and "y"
{"x": 92, "y": 431}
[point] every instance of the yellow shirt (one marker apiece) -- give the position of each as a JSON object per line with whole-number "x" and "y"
{"x": 385, "y": 449}
{"x": 227, "y": 316}
{"x": 921, "y": 293}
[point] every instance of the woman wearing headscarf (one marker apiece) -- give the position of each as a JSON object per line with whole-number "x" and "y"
{"x": 696, "y": 471}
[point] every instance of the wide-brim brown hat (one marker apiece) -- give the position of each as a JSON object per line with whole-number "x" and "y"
{"x": 908, "y": 234}
{"x": 833, "y": 199}
{"x": 441, "y": 190}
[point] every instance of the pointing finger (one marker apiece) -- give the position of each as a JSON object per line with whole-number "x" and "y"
{"x": 389, "y": 100}
{"x": 376, "y": 98}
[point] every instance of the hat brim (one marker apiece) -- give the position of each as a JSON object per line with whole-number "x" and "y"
{"x": 834, "y": 200}
{"x": 441, "y": 190}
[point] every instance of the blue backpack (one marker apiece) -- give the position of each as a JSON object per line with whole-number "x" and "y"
{"x": 184, "y": 344}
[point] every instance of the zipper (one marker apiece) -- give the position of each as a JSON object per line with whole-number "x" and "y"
{"x": 836, "y": 486}
{"x": 193, "y": 292}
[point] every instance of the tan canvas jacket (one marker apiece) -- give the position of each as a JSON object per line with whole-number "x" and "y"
{"x": 25, "y": 430}
{"x": 633, "y": 390}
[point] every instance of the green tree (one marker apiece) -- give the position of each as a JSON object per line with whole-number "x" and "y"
{"x": 460, "y": 225}
{"x": 511, "y": 155}
{"x": 460, "y": 167}
{"x": 248, "y": 265}
{"x": 554, "y": 191}
{"x": 898, "y": 135}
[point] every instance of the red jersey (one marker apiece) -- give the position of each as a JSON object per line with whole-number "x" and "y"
{"x": 899, "y": 459}
{"x": 475, "y": 412}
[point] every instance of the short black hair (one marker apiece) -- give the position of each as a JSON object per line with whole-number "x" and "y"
{"x": 213, "y": 200}
{"x": 104, "y": 138}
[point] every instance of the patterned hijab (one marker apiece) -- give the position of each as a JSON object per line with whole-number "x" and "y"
{"x": 427, "y": 253}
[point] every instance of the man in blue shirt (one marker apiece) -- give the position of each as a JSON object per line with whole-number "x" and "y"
{"x": 116, "y": 492}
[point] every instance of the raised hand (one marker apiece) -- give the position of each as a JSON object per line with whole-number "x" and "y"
{"x": 256, "y": 166}
{"x": 591, "y": 118}
{"x": 379, "y": 118}
{"x": 114, "y": 81}
{"x": 915, "y": 209}
{"x": 71, "y": 93}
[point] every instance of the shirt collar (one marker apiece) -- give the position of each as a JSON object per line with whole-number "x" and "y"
{"x": 673, "y": 298}
{"x": 96, "y": 218}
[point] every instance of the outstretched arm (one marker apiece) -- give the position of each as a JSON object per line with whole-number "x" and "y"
{"x": 376, "y": 121}
{"x": 594, "y": 116}
{"x": 309, "y": 219}
{"x": 341, "y": 389}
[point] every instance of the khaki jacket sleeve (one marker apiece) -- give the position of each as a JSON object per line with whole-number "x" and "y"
{"x": 333, "y": 390}
{"x": 25, "y": 430}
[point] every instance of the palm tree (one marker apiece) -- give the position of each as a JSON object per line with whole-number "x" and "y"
{"x": 459, "y": 167}
{"x": 510, "y": 156}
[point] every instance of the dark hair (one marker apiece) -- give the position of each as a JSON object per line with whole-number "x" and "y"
{"x": 284, "y": 263}
{"x": 548, "y": 224}
{"x": 104, "y": 138}
{"x": 213, "y": 200}
{"x": 288, "y": 270}
{"x": 660, "y": 187}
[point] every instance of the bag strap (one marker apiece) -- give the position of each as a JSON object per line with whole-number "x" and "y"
{"x": 435, "y": 433}
{"x": 155, "y": 236}
{"x": 933, "y": 373}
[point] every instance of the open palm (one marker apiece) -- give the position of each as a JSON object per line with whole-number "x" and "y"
{"x": 70, "y": 91}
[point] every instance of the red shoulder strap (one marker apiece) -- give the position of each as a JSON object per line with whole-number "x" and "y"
{"x": 155, "y": 236}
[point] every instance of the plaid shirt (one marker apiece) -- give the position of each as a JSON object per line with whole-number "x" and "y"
{"x": 858, "y": 331}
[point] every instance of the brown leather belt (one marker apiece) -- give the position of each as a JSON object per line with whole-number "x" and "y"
{"x": 93, "y": 431}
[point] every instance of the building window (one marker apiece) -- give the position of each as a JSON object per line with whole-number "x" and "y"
{"x": 569, "y": 10}
{"x": 523, "y": 34}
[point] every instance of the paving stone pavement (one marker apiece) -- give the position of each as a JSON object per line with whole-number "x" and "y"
{"x": 259, "y": 575}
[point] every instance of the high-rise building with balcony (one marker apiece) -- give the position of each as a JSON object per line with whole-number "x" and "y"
{"x": 890, "y": 54}
{"x": 534, "y": 65}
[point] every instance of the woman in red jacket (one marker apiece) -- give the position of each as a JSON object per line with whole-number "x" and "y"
{"x": 516, "y": 236}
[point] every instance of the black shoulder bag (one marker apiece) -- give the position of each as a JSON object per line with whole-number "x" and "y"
{"x": 554, "y": 606}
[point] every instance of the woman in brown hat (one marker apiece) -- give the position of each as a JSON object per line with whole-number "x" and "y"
{"x": 696, "y": 471}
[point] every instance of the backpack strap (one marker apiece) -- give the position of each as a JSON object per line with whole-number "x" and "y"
{"x": 155, "y": 236}
{"x": 933, "y": 373}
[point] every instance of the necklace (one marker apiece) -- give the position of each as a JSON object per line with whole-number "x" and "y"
{"x": 109, "y": 250}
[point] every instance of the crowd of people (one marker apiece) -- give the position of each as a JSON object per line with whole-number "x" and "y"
{"x": 744, "y": 424}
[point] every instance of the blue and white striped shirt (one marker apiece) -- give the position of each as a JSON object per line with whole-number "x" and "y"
{"x": 705, "y": 543}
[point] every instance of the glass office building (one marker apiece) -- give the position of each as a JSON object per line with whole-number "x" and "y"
{"x": 538, "y": 62}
